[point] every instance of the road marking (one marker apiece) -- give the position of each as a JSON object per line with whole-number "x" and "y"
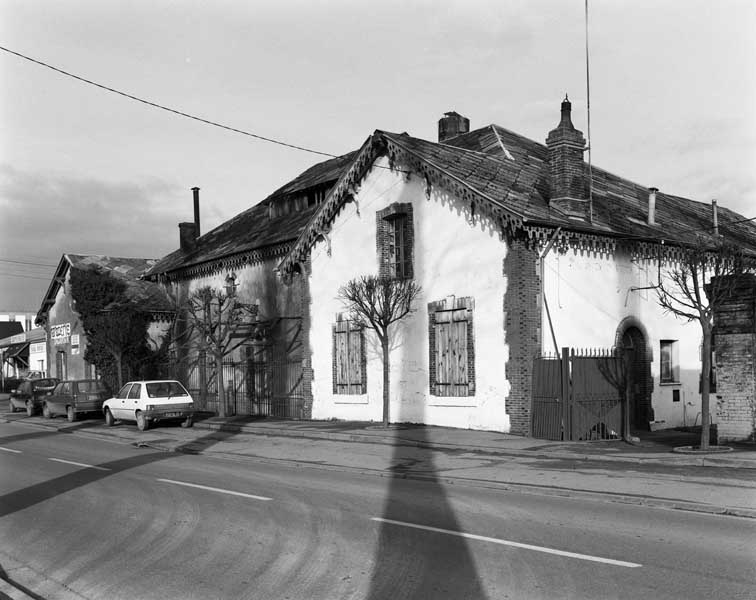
{"x": 78, "y": 464}
{"x": 11, "y": 450}
{"x": 482, "y": 538}
{"x": 213, "y": 489}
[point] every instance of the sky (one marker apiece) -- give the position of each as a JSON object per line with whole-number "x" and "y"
{"x": 86, "y": 171}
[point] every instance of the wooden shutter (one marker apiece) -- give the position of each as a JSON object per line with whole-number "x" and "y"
{"x": 451, "y": 352}
{"x": 348, "y": 359}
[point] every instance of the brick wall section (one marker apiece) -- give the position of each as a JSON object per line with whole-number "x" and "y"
{"x": 522, "y": 323}
{"x": 735, "y": 351}
{"x": 306, "y": 312}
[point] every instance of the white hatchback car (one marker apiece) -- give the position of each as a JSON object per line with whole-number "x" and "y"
{"x": 148, "y": 402}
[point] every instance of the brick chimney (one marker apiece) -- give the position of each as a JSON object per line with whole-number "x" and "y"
{"x": 451, "y": 125}
{"x": 188, "y": 236}
{"x": 566, "y": 146}
{"x": 189, "y": 232}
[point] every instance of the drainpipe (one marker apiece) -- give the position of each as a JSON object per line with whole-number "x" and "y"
{"x": 542, "y": 258}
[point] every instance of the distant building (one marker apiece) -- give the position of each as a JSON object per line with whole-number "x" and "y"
{"x": 66, "y": 339}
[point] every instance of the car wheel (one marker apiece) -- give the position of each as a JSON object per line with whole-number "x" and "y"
{"x": 142, "y": 423}
{"x": 46, "y": 412}
{"x": 109, "y": 420}
{"x": 188, "y": 422}
{"x": 70, "y": 414}
{"x": 29, "y": 408}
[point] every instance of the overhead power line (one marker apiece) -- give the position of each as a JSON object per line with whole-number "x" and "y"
{"x": 166, "y": 108}
{"x": 23, "y": 262}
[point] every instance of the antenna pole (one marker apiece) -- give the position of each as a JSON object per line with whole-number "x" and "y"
{"x": 588, "y": 106}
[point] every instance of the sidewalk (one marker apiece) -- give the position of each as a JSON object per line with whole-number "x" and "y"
{"x": 654, "y": 448}
{"x": 649, "y": 474}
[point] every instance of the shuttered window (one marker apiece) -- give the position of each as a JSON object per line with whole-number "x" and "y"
{"x": 349, "y": 364}
{"x": 452, "y": 352}
{"x": 395, "y": 239}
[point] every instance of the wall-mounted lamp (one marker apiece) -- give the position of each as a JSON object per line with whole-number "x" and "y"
{"x": 231, "y": 285}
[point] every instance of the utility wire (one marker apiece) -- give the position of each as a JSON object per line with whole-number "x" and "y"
{"x": 160, "y": 106}
{"x": 24, "y": 276}
{"x": 22, "y": 262}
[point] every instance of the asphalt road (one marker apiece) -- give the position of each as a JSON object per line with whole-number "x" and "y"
{"x": 88, "y": 518}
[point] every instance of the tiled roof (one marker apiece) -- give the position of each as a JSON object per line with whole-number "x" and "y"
{"x": 10, "y": 328}
{"x": 509, "y": 175}
{"x": 620, "y": 205}
{"x": 148, "y": 296}
{"x": 253, "y": 229}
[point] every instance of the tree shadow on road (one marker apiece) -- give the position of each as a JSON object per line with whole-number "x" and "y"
{"x": 46, "y": 490}
{"x": 417, "y": 563}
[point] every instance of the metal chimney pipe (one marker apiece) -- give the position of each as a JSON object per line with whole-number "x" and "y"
{"x": 196, "y": 190}
{"x": 715, "y": 216}
{"x": 652, "y": 205}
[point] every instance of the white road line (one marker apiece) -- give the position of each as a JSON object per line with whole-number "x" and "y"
{"x": 78, "y": 464}
{"x": 482, "y": 538}
{"x": 213, "y": 489}
{"x": 11, "y": 450}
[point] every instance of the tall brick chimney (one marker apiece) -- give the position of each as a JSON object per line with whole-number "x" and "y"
{"x": 451, "y": 125}
{"x": 190, "y": 231}
{"x": 566, "y": 146}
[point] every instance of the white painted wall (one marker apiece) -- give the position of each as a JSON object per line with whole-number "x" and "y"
{"x": 451, "y": 257}
{"x": 589, "y": 295}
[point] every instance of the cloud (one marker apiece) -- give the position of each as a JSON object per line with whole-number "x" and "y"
{"x": 46, "y": 215}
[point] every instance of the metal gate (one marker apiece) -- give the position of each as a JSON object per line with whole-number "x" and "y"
{"x": 271, "y": 388}
{"x": 579, "y": 395}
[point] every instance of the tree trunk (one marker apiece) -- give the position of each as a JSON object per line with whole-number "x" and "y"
{"x": 119, "y": 368}
{"x": 386, "y": 366}
{"x": 221, "y": 390}
{"x": 705, "y": 383}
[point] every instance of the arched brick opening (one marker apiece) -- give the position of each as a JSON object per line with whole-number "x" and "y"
{"x": 632, "y": 338}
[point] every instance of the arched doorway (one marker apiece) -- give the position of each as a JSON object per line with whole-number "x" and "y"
{"x": 632, "y": 339}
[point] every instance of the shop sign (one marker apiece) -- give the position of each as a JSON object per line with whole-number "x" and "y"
{"x": 19, "y": 338}
{"x": 60, "y": 334}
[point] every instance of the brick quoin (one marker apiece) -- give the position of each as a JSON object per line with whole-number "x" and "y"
{"x": 735, "y": 351}
{"x": 522, "y": 323}
{"x": 308, "y": 373}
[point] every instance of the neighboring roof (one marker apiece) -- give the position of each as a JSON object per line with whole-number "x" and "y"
{"x": 505, "y": 176}
{"x": 10, "y": 328}
{"x": 19, "y": 350}
{"x": 253, "y": 229}
{"x": 149, "y": 296}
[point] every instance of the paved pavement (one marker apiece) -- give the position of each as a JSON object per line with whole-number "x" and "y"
{"x": 649, "y": 473}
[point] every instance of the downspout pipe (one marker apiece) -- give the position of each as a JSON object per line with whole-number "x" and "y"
{"x": 542, "y": 259}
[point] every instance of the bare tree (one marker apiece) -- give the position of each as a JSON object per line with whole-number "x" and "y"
{"x": 217, "y": 324}
{"x": 376, "y": 303}
{"x": 692, "y": 290}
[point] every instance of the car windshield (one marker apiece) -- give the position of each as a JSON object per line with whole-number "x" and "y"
{"x": 43, "y": 384}
{"x": 163, "y": 389}
{"x": 91, "y": 386}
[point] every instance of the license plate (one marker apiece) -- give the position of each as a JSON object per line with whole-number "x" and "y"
{"x": 172, "y": 414}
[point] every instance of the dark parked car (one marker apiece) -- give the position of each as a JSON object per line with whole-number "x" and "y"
{"x": 30, "y": 394}
{"x": 74, "y": 397}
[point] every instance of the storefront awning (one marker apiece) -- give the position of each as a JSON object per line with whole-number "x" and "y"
{"x": 20, "y": 350}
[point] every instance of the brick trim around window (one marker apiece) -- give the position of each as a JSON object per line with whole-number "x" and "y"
{"x": 452, "y": 318}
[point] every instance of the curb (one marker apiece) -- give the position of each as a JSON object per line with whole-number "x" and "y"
{"x": 676, "y": 461}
